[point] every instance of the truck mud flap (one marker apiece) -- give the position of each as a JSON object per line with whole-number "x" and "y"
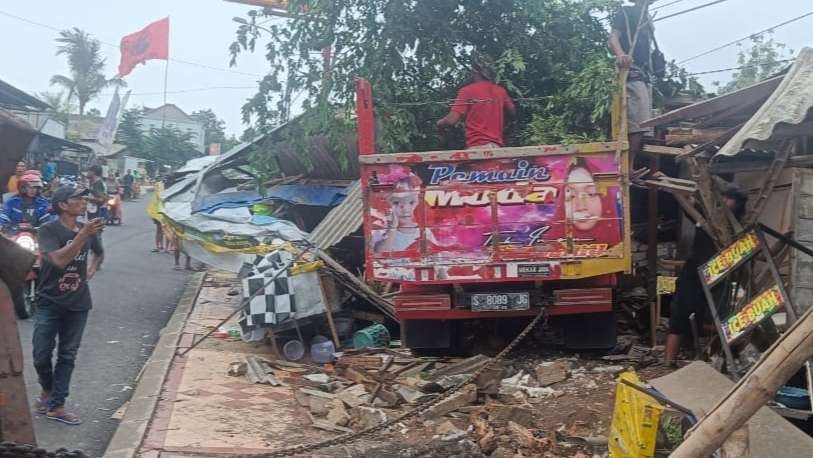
{"x": 426, "y": 333}
{"x": 589, "y": 332}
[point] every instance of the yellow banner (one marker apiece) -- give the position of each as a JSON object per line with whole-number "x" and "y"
{"x": 726, "y": 260}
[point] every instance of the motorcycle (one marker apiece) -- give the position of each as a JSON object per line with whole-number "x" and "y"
{"x": 25, "y": 236}
{"x": 114, "y": 208}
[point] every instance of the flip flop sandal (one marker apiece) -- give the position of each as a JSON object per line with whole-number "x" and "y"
{"x": 65, "y": 417}
{"x": 155, "y": 250}
{"x": 41, "y": 406}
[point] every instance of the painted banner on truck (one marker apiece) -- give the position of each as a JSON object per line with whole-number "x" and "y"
{"x": 492, "y": 219}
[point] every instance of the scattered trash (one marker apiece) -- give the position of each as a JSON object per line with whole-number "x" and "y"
{"x": 260, "y": 371}
{"x": 376, "y": 335}
{"x": 237, "y": 369}
{"x": 294, "y": 350}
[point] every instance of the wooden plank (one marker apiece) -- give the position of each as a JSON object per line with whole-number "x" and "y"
{"x": 768, "y": 184}
{"x": 496, "y": 153}
{"x": 670, "y": 187}
{"x": 759, "y": 165}
{"x": 666, "y": 150}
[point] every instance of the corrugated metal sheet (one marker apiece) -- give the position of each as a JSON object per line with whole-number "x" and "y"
{"x": 341, "y": 221}
{"x": 788, "y": 105}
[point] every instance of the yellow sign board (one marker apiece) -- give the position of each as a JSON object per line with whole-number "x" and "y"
{"x": 666, "y": 285}
{"x": 730, "y": 257}
{"x": 761, "y": 307}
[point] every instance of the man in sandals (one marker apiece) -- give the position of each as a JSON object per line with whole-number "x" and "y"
{"x": 63, "y": 297}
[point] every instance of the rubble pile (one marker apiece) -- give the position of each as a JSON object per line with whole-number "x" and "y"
{"x": 560, "y": 408}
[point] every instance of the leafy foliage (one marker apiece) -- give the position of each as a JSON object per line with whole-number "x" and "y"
{"x": 86, "y": 66}
{"x": 168, "y": 146}
{"x": 762, "y": 60}
{"x": 215, "y": 129}
{"x": 550, "y": 55}
{"x": 131, "y": 132}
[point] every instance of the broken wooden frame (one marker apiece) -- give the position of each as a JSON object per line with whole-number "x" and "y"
{"x": 758, "y": 308}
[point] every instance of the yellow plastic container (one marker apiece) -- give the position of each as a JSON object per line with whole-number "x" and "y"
{"x": 636, "y": 417}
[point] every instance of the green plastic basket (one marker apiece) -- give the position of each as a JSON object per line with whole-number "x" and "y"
{"x": 372, "y": 336}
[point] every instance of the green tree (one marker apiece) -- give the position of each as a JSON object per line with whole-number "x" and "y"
{"x": 130, "y": 131}
{"x": 551, "y": 56}
{"x": 762, "y": 60}
{"x": 86, "y": 67}
{"x": 169, "y": 146}
{"x": 215, "y": 129}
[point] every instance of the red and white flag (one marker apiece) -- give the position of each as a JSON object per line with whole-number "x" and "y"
{"x": 151, "y": 42}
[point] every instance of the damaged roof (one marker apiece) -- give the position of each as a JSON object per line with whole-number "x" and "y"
{"x": 788, "y": 106}
{"x": 342, "y": 221}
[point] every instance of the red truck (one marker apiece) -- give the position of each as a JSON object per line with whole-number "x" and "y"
{"x": 496, "y": 233}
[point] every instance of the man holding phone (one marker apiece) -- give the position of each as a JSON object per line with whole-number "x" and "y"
{"x": 98, "y": 193}
{"x": 63, "y": 297}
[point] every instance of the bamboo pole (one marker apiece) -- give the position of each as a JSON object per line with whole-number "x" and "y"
{"x": 777, "y": 365}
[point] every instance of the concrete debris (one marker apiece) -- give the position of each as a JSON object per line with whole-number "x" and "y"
{"x": 354, "y": 396}
{"x": 337, "y": 413}
{"x": 552, "y": 372}
{"x": 517, "y": 414}
{"x": 411, "y": 396}
{"x": 237, "y": 369}
{"x": 318, "y": 378}
{"x": 467, "y": 395}
{"x": 612, "y": 370}
{"x": 363, "y": 417}
{"x": 447, "y": 428}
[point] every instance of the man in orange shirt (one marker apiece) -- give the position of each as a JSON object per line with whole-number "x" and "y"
{"x": 484, "y": 105}
{"x": 11, "y": 186}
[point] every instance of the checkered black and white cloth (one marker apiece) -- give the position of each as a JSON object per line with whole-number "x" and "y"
{"x": 276, "y": 302}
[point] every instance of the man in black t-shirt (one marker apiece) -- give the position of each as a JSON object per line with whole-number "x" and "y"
{"x": 63, "y": 297}
{"x": 639, "y": 100}
{"x": 98, "y": 193}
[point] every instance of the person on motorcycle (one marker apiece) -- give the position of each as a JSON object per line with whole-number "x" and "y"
{"x": 27, "y": 206}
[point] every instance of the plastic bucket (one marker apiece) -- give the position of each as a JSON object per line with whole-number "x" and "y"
{"x": 322, "y": 350}
{"x": 293, "y": 350}
{"x": 376, "y": 335}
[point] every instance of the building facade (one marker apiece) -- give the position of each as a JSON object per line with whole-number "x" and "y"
{"x": 170, "y": 115}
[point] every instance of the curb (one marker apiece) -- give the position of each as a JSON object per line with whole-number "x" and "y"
{"x": 133, "y": 427}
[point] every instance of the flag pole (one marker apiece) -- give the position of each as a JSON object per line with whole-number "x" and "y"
{"x": 166, "y": 77}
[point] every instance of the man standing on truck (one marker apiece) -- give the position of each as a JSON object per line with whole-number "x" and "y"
{"x": 631, "y": 25}
{"x": 484, "y": 105}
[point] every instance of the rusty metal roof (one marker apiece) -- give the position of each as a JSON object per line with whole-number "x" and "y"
{"x": 787, "y": 107}
{"x": 342, "y": 221}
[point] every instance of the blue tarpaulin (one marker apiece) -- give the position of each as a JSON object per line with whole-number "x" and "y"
{"x": 297, "y": 194}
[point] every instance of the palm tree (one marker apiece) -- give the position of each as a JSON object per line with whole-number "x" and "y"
{"x": 86, "y": 66}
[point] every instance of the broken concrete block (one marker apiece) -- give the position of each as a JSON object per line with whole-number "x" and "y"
{"x": 502, "y": 452}
{"x": 337, "y": 414}
{"x": 523, "y": 436}
{"x": 363, "y": 417}
{"x": 318, "y": 378}
{"x": 411, "y": 396}
{"x": 467, "y": 395}
{"x": 517, "y": 414}
{"x": 318, "y": 406}
{"x": 552, "y": 372}
{"x": 237, "y": 369}
{"x": 488, "y": 381}
{"x": 447, "y": 428}
{"x": 612, "y": 370}
{"x": 354, "y": 396}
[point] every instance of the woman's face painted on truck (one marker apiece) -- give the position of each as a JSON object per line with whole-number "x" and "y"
{"x": 403, "y": 207}
{"x": 582, "y": 200}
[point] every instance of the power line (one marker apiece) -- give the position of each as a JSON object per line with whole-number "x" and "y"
{"x": 758, "y": 64}
{"x": 666, "y": 4}
{"x": 186, "y": 91}
{"x": 171, "y": 59}
{"x": 753, "y": 35}
{"x": 689, "y": 10}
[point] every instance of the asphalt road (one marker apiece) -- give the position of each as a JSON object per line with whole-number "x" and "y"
{"x": 133, "y": 297}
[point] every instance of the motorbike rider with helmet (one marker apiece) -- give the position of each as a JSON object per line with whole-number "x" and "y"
{"x": 27, "y": 206}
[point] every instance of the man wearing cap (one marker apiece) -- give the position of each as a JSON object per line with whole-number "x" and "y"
{"x": 484, "y": 105}
{"x": 63, "y": 298}
{"x": 27, "y": 206}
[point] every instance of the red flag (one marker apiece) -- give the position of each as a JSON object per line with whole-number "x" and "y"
{"x": 152, "y": 42}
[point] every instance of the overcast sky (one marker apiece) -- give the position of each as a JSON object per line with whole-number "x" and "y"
{"x": 201, "y": 31}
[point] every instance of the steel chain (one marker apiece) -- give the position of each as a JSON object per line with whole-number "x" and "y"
{"x": 420, "y": 408}
{"x": 10, "y": 449}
